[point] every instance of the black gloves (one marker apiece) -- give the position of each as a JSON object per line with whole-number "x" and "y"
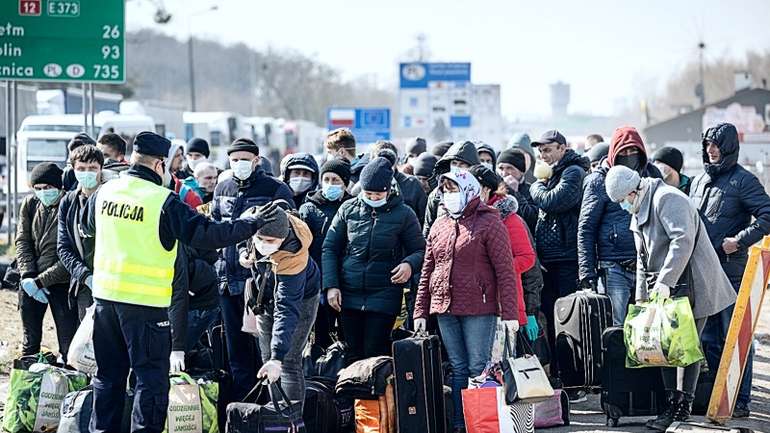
{"x": 264, "y": 215}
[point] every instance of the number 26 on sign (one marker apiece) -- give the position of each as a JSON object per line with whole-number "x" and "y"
{"x": 29, "y": 7}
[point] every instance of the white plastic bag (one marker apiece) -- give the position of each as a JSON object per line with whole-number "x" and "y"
{"x": 81, "y": 351}
{"x": 249, "y": 321}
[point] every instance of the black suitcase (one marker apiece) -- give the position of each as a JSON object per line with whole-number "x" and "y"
{"x": 580, "y": 319}
{"x": 628, "y": 391}
{"x": 323, "y": 412}
{"x": 419, "y": 385}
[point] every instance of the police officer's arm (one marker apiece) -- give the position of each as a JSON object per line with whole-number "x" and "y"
{"x": 184, "y": 224}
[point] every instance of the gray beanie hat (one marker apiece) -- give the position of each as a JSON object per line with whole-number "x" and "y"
{"x": 620, "y": 182}
{"x": 278, "y": 228}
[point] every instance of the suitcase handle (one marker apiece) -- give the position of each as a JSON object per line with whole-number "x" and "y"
{"x": 263, "y": 383}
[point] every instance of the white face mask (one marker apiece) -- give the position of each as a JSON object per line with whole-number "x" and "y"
{"x": 454, "y": 203}
{"x": 300, "y": 184}
{"x": 192, "y": 163}
{"x": 241, "y": 169}
{"x": 265, "y": 248}
{"x": 488, "y": 165}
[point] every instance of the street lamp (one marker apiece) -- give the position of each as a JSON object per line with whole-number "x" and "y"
{"x": 190, "y": 52}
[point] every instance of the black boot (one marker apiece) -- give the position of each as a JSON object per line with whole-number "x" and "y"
{"x": 674, "y": 400}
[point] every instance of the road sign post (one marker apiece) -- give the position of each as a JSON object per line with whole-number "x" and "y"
{"x": 62, "y": 40}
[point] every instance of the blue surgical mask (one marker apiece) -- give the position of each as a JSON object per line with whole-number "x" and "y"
{"x": 87, "y": 179}
{"x": 332, "y": 192}
{"x": 626, "y": 206}
{"x": 373, "y": 203}
{"x": 47, "y": 196}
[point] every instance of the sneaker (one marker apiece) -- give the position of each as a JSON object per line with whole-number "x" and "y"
{"x": 741, "y": 411}
{"x": 577, "y": 396}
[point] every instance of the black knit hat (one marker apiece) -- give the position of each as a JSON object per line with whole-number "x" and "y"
{"x": 81, "y": 139}
{"x": 377, "y": 175}
{"x": 338, "y": 166}
{"x": 198, "y": 145}
{"x": 389, "y": 155}
{"x": 416, "y": 146}
{"x": 441, "y": 148}
{"x": 423, "y": 165}
{"x": 151, "y": 144}
{"x": 243, "y": 144}
{"x": 515, "y": 157}
{"x": 278, "y": 228}
{"x": 670, "y": 156}
{"x": 47, "y": 173}
{"x": 486, "y": 177}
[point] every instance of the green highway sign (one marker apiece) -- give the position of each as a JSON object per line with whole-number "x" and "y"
{"x": 63, "y": 40}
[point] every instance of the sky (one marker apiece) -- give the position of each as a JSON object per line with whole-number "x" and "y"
{"x": 609, "y": 51}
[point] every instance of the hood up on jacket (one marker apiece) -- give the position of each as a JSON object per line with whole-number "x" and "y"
{"x": 300, "y": 160}
{"x": 726, "y": 138}
{"x": 464, "y": 151}
{"x": 481, "y": 146}
{"x": 624, "y": 138}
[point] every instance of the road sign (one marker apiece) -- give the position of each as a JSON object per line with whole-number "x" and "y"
{"x": 367, "y": 124}
{"x": 434, "y": 97}
{"x": 741, "y": 333}
{"x": 62, "y": 40}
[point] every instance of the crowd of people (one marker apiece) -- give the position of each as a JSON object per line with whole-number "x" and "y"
{"x": 462, "y": 237}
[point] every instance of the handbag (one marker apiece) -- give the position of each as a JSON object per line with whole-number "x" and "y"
{"x": 486, "y": 411}
{"x": 524, "y": 378}
{"x": 274, "y": 416}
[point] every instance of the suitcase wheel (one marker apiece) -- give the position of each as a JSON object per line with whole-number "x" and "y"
{"x": 612, "y": 422}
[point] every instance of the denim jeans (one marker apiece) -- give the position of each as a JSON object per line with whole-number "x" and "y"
{"x": 468, "y": 341}
{"x": 713, "y": 339}
{"x": 198, "y": 321}
{"x": 292, "y": 376}
{"x": 242, "y": 350}
{"x": 619, "y": 284}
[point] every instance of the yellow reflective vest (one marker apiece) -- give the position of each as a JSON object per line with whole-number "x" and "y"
{"x": 130, "y": 263}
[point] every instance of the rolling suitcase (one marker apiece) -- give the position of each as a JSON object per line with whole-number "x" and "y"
{"x": 580, "y": 319}
{"x": 627, "y": 391}
{"x": 419, "y": 385}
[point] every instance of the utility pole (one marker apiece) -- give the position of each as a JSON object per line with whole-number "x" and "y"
{"x": 191, "y": 71}
{"x": 702, "y": 84}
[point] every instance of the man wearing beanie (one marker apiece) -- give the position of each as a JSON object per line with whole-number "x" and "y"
{"x": 196, "y": 151}
{"x": 606, "y": 250}
{"x": 409, "y": 186}
{"x": 735, "y": 210}
{"x": 676, "y": 259}
{"x": 137, "y": 224}
{"x": 370, "y": 253}
{"x": 597, "y": 154}
{"x": 422, "y": 169}
{"x": 415, "y": 147}
{"x": 512, "y": 166}
{"x": 44, "y": 280}
{"x": 249, "y": 186}
{"x": 522, "y": 142}
{"x": 288, "y": 307}
{"x": 669, "y": 160}
{"x": 318, "y": 212}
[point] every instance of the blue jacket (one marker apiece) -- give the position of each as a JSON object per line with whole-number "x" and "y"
{"x": 361, "y": 248}
{"x": 727, "y": 196}
{"x": 603, "y": 226}
{"x": 231, "y": 198}
{"x": 558, "y": 199}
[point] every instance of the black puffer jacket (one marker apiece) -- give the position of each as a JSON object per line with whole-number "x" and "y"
{"x": 361, "y": 248}
{"x": 464, "y": 151}
{"x": 318, "y": 212}
{"x": 727, "y": 197}
{"x": 558, "y": 199}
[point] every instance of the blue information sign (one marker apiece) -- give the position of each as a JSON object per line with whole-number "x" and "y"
{"x": 367, "y": 124}
{"x": 418, "y": 75}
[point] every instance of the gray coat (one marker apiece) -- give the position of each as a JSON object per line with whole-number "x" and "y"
{"x": 666, "y": 223}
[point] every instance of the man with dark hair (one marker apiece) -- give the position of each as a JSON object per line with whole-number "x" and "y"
{"x": 669, "y": 161}
{"x": 248, "y": 187}
{"x": 592, "y": 140}
{"x": 113, "y": 146}
{"x": 69, "y": 182}
{"x": 735, "y": 210}
{"x": 76, "y": 251}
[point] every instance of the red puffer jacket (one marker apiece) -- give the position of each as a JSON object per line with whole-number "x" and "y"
{"x": 467, "y": 269}
{"x": 521, "y": 247}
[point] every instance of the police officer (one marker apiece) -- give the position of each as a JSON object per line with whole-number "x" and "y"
{"x": 137, "y": 223}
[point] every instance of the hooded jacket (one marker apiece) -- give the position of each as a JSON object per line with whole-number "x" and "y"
{"x": 523, "y": 142}
{"x": 298, "y": 160}
{"x": 603, "y": 225}
{"x": 361, "y": 248}
{"x": 464, "y": 151}
{"x": 558, "y": 199}
{"x": 481, "y": 146}
{"x": 727, "y": 197}
{"x": 318, "y": 212}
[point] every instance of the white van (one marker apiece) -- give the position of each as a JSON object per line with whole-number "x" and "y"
{"x": 44, "y": 138}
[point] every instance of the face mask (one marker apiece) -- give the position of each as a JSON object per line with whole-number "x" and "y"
{"x": 300, "y": 184}
{"x": 192, "y": 163}
{"x": 634, "y": 162}
{"x": 332, "y": 192}
{"x": 454, "y": 203}
{"x": 241, "y": 169}
{"x": 373, "y": 203}
{"x": 626, "y": 206}
{"x": 47, "y": 196}
{"x": 488, "y": 165}
{"x": 265, "y": 248}
{"x": 86, "y": 178}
